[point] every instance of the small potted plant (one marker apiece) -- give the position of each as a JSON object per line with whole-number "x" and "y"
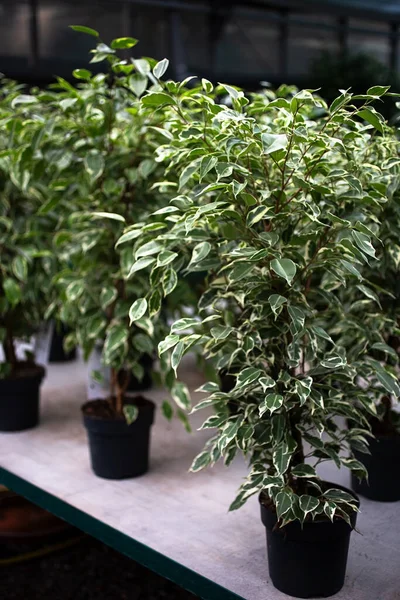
{"x": 106, "y": 192}
{"x": 25, "y": 255}
{"x": 372, "y": 320}
{"x": 265, "y": 186}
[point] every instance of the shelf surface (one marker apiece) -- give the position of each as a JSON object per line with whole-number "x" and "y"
{"x": 170, "y": 520}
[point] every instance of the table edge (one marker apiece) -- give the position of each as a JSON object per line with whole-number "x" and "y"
{"x": 141, "y": 553}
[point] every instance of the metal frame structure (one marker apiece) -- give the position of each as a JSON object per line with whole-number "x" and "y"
{"x": 284, "y": 14}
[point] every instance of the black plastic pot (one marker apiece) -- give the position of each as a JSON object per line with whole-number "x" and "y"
{"x": 310, "y": 561}
{"x": 19, "y": 400}
{"x": 57, "y": 353}
{"x": 118, "y": 450}
{"x": 382, "y": 464}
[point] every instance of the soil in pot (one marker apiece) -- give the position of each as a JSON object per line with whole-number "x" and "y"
{"x": 20, "y": 396}
{"x": 383, "y": 483}
{"x": 57, "y": 354}
{"x": 308, "y": 561}
{"x": 118, "y": 450}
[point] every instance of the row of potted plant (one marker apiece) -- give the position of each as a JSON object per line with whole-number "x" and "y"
{"x": 128, "y": 197}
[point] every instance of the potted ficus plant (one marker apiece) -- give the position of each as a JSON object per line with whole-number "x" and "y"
{"x": 106, "y": 189}
{"x": 372, "y": 320}
{"x": 264, "y": 189}
{"x": 25, "y": 273}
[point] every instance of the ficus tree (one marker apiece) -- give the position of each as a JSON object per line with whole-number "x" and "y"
{"x": 105, "y": 183}
{"x": 27, "y": 264}
{"x": 274, "y": 202}
{"x": 372, "y": 307}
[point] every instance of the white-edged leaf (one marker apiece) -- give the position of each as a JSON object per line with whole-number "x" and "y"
{"x": 20, "y": 267}
{"x": 281, "y": 459}
{"x": 248, "y": 376}
{"x": 369, "y": 293}
{"x": 389, "y": 382}
{"x": 140, "y": 264}
{"x": 128, "y": 236}
{"x": 256, "y": 214}
{"x": 337, "y": 495}
{"x": 148, "y": 249}
{"x": 384, "y": 348}
{"x": 304, "y": 470}
{"x": 108, "y": 215}
{"x": 202, "y": 460}
{"x": 273, "y": 142}
{"x": 116, "y": 337}
{"x": 371, "y": 117}
{"x": 177, "y": 355}
{"x": 267, "y": 382}
{"x": 284, "y": 267}
{"x": 23, "y": 99}
{"x": 165, "y": 258}
{"x": 131, "y": 413}
{"x": 363, "y": 242}
{"x": 160, "y": 68}
{"x": 333, "y": 362}
{"x": 107, "y": 296}
{"x": 271, "y": 402}
{"x": 330, "y": 509}
{"x": 94, "y": 165}
{"x": 303, "y": 388}
{"x": 200, "y": 251}
{"x": 138, "y": 309}
{"x": 169, "y": 342}
{"x": 240, "y": 271}
{"x": 283, "y": 503}
{"x": 180, "y": 395}
{"x": 276, "y": 302}
{"x": 184, "y": 324}
{"x": 307, "y": 504}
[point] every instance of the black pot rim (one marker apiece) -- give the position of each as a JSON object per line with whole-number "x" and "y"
{"x": 118, "y": 426}
{"x": 38, "y": 376}
{"x": 148, "y": 406}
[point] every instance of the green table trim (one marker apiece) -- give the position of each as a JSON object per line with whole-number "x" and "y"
{"x": 157, "y": 562}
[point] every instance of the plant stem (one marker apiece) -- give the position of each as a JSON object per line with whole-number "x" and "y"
{"x": 298, "y": 457}
{"x": 119, "y": 399}
{"x": 112, "y": 386}
{"x": 9, "y": 348}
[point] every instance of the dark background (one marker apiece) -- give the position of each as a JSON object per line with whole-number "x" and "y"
{"x": 328, "y": 43}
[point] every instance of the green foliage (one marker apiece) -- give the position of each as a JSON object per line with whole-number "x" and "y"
{"x": 103, "y": 190}
{"x": 278, "y": 197}
{"x": 25, "y": 225}
{"x": 372, "y": 309}
{"x": 123, "y": 195}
